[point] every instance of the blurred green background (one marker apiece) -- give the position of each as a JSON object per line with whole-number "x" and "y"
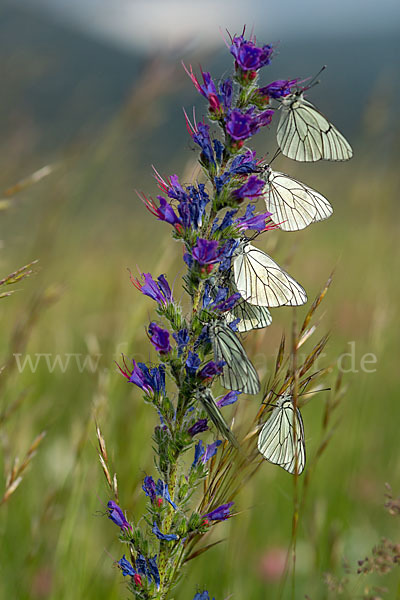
{"x": 100, "y": 111}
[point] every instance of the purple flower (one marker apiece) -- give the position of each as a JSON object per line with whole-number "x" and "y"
{"x": 202, "y": 596}
{"x": 210, "y": 451}
{"x": 221, "y": 513}
{"x": 162, "y": 490}
{"x": 225, "y": 89}
{"x": 192, "y": 206}
{"x": 149, "y": 488}
{"x": 198, "y": 427}
{"x": 205, "y": 252}
{"x": 126, "y": 567}
{"x": 159, "y": 337}
{"x": 182, "y": 339}
{"x": 202, "y": 138}
{"x": 168, "y": 537}
{"x": 192, "y": 363}
{"x": 234, "y": 324}
{"x": 136, "y": 376}
{"x": 228, "y": 303}
{"x": 211, "y": 369}
{"x": 248, "y": 56}
{"x": 253, "y": 188}
{"x": 198, "y": 452}
{"x": 226, "y": 254}
{"x": 229, "y": 398}
{"x": 157, "y": 290}
{"x": 244, "y": 163}
{"x": 142, "y": 567}
{"x": 164, "y": 212}
{"x": 207, "y": 88}
{"x": 238, "y": 125}
{"x": 279, "y": 88}
{"x": 152, "y": 565}
{"x": 117, "y": 516}
{"x": 219, "y": 150}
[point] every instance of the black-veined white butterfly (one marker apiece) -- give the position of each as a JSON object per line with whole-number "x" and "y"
{"x": 281, "y": 440}
{"x": 206, "y": 398}
{"x": 304, "y": 133}
{"x": 261, "y": 281}
{"x": 249, "y": 315}
{"x": 292, "y": 204}
{"x": 238, "y": 373}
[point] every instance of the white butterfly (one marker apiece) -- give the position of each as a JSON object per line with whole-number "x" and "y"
{"x": 206, "y": 398}
{"x": 281, "y": 440}
{"x": 261, "y": 281}
{"x": 292, "y": 204}
{"x": 249, "y": 315}
{"x": 238, "y": 373}
{"x": 304, "y": 133}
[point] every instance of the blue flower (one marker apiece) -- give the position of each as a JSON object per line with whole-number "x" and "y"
{"x": 142, "y": 567}
{"x": 202, "y": 596}
{"x": 221, "y": 513}
{"x": 244, "y": 163}
{"x": 234, "y": 324}
{"x": 117, "y": 516}
{"x": 200, "y": 426}
{"x": 225, "y": 90}
{"x": 252, "y": 188}
{"x": 150, "y": 381}
{"x": 192, "y": 363}
{"x": 168, "y": 537}
{"x": 126, "y": 567}
{"x": 164, "y": 212}
{"x": 205, "y": 252}
{"x": 219, "y": 150}
{"x": 152, "y": 565}
{"x": 182, "y": 339}
{"x": 159, "y": 337}
{"x": 149, "y": 487}
{"x": 279, "y": 88}
{"x": 157, "y": 290}
{"x": 210, "y": 451}
{"x": 229, "y": 398}
{"x": 227, "y": 251}
{"x": 248, "y": 56}
{"x": 211, "y": 369}
{"x": 202, "y": 138}
{"x": 198, "y": 452}
{"x": 162, "y": 490}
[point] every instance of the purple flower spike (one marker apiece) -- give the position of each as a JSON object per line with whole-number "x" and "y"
{"x": 159, "y": 337}
{"x": 248, "y": 56}
{"x": 229, "y": 398}
{"x": 206, "y": 252}
{"x": 219, "y": 514}
{"x": 117, "y": 516}
{"x": 200, "y": 426}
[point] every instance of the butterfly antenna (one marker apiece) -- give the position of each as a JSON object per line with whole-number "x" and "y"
{"x": 278, "y": 151}
{"x": 314, "y": 81}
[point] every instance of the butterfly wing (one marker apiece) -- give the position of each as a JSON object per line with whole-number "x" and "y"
{"x": 251, "y": 316}
{"x": 238, "y": 373}
{"x": 279, "y": 442}
{"x": 261, "y": 281}
{"x": 206, "y": 398}
{"x": 292, "y": 204}
{"x": 306, "y": 135}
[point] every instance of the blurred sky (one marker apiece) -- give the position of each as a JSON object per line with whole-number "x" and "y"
{"x": 148, "y": 23}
